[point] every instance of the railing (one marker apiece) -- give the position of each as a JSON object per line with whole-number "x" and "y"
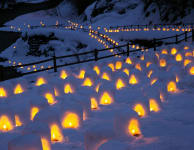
{"x": 95, "y": 53}
{"x": 189, "y": 25}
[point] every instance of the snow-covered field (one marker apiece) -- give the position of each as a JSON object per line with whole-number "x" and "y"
{"x": 68, "y": 42}
{"x": 118, "y": 103}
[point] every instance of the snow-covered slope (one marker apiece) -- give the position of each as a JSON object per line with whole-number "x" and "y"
{"x": 131, "y": 12}
{"x": 59, "y": 41}
{"x": 94, "y": 106}
{"x": 105, "y": 12}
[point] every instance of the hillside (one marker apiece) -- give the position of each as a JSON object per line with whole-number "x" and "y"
{"x": 72, "y": 81}
{"x": 107, "y": 11}
{"x": 146, "y": 11}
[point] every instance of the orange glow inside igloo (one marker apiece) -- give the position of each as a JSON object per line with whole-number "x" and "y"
{"x": 154, "y": 105}
{"x": 150, "y": 73}
{"x": 45, "y": 144}
{"x": 68, "y": 89}
{"x": 119, "y": 84}
{"x": 148, "y": 64}
{"x": 5, "y": 124}
{"x": 171, "y": 87}
{"x": 186, "y": 62}
{"x": 18, "y": 89}
{"x": 3, "y": 92}
{"x": 134, "y": 128}
{"x": 94, "y": 103}
{"x": 162, "y": 63}
{"x": 70, "y": 120}
{"x": 138, "y": 67}
{"x": 97, "y": 70}
{"x": 105, "y": 76}
{"x": 106, "y": 99}
{"x": 164, "y": 51}
{"x": 18, "y": 122}
{"x": 34, "y": 111}
{"x": 179, "y": 57}
{"x": 63, "y": 74}
{"x": 173, "y": 51}
{"x": 188, "y": 54}
{"x": 40, "y": 81}
{"x": 118, "y": 65}
{"x": 56, "y": 134}
{"x": 128, "y": 61}
{"x": 87, "y": 82}
{"x": 126, "y": 71}
{"x": 191, "y": 70}
{"x": 81, "y": 74}
{"x": 140, "y": 110}
{"x": 112, "y": 67}
{"x": 50, "y": 98}
{"x": 133, "y": 80}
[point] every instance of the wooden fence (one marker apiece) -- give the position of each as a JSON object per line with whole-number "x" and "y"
{"x": 95, "y": 53}
{"x": 155, "y": 26}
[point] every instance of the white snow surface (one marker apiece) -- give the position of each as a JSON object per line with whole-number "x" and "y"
{"x": 107, "y": 127}
{"x": 67, "y": 43}
{"x": 134, "y": 14}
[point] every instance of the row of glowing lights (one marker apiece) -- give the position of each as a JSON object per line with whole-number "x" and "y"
{"x": 104, "y": 37}
{"x": 117, "y": 66}
{"x": 25, "y": 25}
{"x": 34, "y": 67}
{"x": 73, "y": 25}
{"x": 119, "y": 29}
{"x": 147, "y": 29}
{"x": 76, "y": 25}
{"x": 113, "y": 42}
{"x": 94, "y": 34}
{"x": 178, "y": 29}
{"x": 162, "y": 63}
{"x": 42, "y": 24}
{"x": 174, "y": 51}
{"x": 71, "y": 120}
{"x": 133, "y": 125}
{"x": 119, "y": 84}
{"x": 100, "y": 41}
